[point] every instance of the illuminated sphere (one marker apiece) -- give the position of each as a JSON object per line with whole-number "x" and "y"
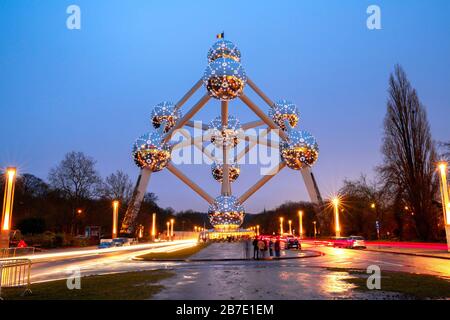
{"x": 226, "y": 213}
{"x": 284, "y": 110}
{"x": 149, "y": 152}
{"x": 230, "y": 135}
{"x": 301, "y": 150}
{"x": 233, "y": 171}
{"x": 224, "y": 49}
{"x": 224, "y": 78}
{"x": 165, "y": 112}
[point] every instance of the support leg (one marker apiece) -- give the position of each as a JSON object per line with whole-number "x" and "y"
{"x": 128, "y": 223}
{"x": 311, "y": 185}
{"x": 226, "y": 188}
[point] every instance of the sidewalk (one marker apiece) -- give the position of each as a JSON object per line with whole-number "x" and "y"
{"x": 431, "y": 250}
{"x": 235, "y": 251}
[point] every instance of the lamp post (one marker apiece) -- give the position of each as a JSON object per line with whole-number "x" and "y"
{"x": 281, "y": 225}
{"x": 337, "y": 225}
{"x": 290, "y": 226}
{"x": 315, "y": 229}
{"x": 8, "y": 201}
{"x": 115, "y": 218}
{"x": 153, "y": 232}
{"x": 300, "y": 223}
{"x": 171, "y": 228}
{"x": 168, "y": 230}
{"x": 257, "y": 230}
{"x": 445, "y": 200}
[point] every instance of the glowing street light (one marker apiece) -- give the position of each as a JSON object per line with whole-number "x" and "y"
{"x": 373, "y": 205}
{"x": 168, "y": 230}
{"x": 171, "y": 227}
{"x": 290, "y": 226}
{"x": 8, "y": 201}
{"x": 257, "y": 230}
{"x": 141, "y": 232}
{"x": 445, "y": 200}
{"x": 153, "y": 232}
{"x": 337, "y": 225}
{"x": 281, "y": 225}
{"x": 315, "y": 229}
{"x": 115, "y": 218}
{"x": 300, "y": 223}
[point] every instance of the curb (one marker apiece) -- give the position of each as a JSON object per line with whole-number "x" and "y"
{"x": 409, "y": 254}
{"x": 315, "y": 255}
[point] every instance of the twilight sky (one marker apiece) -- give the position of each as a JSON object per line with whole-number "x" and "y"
{"x": 93, "y": 89}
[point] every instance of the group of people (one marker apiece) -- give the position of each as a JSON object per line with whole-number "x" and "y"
{"x": 263, "y": 248}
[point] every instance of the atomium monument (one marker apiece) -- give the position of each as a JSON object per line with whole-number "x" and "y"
{"x": 224, "y": 80}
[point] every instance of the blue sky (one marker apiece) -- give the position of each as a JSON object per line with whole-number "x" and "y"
{"x": 92, "y": 89}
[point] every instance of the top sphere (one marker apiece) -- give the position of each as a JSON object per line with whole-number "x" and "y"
{"x": 165, "y": 112}
{"x": 282, "y": 111}
{"x": 224, "y": 49}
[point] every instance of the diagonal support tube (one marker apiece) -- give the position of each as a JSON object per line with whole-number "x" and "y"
{"x": 190, "y": 183}
{"x": 187, "y": 117}
{"x": 260, "y": 183}
{"x": 311, "y": 185}
{"x": 188, "y": 94}
{"x": 252, "y": 124}
{"x": 263, "y": 116}
{"x": 259, "y": 92}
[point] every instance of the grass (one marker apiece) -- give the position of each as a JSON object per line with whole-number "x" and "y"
{"x": 175, "y": 255}
{"x": 417, "y": 286}
{"x": 119, "y": 286}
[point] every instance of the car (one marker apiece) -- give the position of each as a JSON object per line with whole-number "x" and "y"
{"x": 356, "y": 242}
{"x": 292, "y": 242}
{"x": 352, "y": 242}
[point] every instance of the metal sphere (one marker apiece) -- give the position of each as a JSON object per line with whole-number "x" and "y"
{"x": 302, "y": 150}
{"x": 165, "y": 112}
{"x": 282, "y": 111}
{"x": 224, "y": 49}
{"x": 233, "y": 171}
{"x": 226, "y": 213}
{"x": 224, "y": 78}
{"x": 149, "y": 152}
{"x": 230, "y": 135}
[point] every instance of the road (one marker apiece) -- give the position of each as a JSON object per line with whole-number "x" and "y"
{"x": 308, "y": 278}
{"x": 58, "y": 265}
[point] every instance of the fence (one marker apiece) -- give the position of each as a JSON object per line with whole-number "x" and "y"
{"x": 15, "y": 273}
{"x": 16, "y": 252}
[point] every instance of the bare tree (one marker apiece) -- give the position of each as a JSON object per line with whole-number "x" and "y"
{"x": 76, "y": 179}
{"x": 117, "y": 186}
{"x": 410, "y": 154}
{"x": 445, "y": 150}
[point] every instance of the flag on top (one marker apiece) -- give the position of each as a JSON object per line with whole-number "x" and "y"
{"x": 220, "y": 35}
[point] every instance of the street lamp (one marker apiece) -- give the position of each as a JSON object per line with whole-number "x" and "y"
{"x": 445, "y": 200}
{"x": 8, "y": 201}
{"x": 171, "y": 228}
{"x": 315, "y": 229}
{"x": 281, "y": 225}
{"x": 257, "y": 230}
{"x": 337, "y": 225}
{"x": 300, "y": 223}
{"x": 153, "y": 232}
{"x": 168, "y": 230}
{"x": 290, "y": 226}
{"x": 115, "y": 218}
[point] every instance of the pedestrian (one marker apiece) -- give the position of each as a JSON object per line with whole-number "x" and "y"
{"x": 277, "y": 248}
{"x": 261, "y": 247}
{"x": 271, "y": 247}
{"x": 255, "y": 248}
